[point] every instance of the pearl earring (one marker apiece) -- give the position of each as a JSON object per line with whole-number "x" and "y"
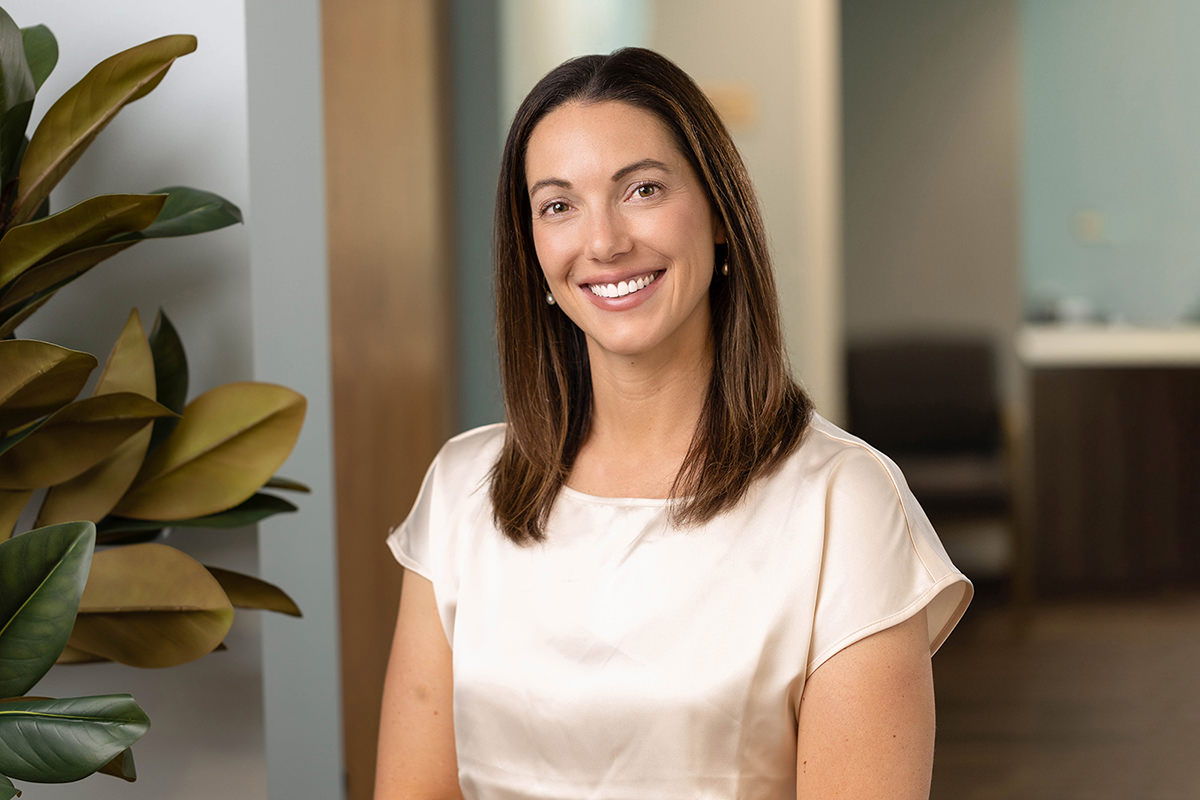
{"x": 725, "y": 268}
{"x": 549, "y": 298}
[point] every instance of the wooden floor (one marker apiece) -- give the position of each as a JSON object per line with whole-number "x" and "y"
{"x": 1086, "y": 699}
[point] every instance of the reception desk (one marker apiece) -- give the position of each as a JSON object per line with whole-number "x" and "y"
{"x": 1114, "y": 445}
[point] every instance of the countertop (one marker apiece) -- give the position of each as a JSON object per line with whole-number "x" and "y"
{"x": 1094, "y": 345}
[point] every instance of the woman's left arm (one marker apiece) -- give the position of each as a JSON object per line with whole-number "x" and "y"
{"x": 867, "y": 721}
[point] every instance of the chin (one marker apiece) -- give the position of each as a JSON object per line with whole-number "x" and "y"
{"x": 621, "y": 347}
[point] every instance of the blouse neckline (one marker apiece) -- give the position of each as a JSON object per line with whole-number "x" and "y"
{"x": 641, "y": 502}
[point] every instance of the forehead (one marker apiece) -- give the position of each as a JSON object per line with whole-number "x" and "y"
{"x": 578, "y": 138}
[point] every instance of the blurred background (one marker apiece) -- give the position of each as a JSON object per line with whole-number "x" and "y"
{"x": 983, "y": 216}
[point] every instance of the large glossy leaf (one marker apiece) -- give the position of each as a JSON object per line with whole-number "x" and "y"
{"x": 149, "y": 605}
{"x": 287, "y": 484}
{"x": 94, "y": 492}
{"x": 83, "y": 225}
{"x": 16, "y": 80}
{"x": 10, "y": 324}
{"x": 170, "y": 375}
{"x": 44, "y": 279}
{"x": 230, "y": 440}
{"x": 16, "y": 91}
{"x": 255, "y": 509}
{"x": 7, "y": 790}
{"x": 38, "y": 378}
{"x": 121, "y": 767}
{"x": 188, "y": 211}
{"x": 41, "y": 51}
{"x": 42, "y": 574}
{"x": 247, "y": 591}
{"x": 81, "y": 113}
{"x": 74, "y": 438}
{"x": 56, "y": 741}
{"x": 12, "y": 502}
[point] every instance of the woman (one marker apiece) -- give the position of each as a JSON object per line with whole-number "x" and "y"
{"x": 664, "y": 577}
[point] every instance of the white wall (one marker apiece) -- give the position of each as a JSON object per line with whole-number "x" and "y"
{"x": 207, "y": 734}
{"x": 931, "y": 170}
{"x": 290, "y": 298}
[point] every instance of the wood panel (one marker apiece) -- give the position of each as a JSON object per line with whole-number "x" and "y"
{"x": 390, "y": 273}
{"x": 1116, "y": 484}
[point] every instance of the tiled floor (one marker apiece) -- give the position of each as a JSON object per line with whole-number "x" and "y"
{"x": 1088, "y": 699}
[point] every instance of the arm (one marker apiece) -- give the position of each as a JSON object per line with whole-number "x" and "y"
{"x": 866, "y": 719}
{"x": 416, "y": 730}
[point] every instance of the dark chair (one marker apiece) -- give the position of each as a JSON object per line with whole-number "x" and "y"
{"x": 932, "y": 405}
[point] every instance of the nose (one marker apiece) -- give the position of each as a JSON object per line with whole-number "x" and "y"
{"x": 608, "y": 236}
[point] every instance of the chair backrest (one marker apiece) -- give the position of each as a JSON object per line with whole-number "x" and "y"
{"x": 924, "y": 394}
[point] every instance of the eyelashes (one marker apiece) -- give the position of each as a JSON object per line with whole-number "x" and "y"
{"x": 642, "y": 190}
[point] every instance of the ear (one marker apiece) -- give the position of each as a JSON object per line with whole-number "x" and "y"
{"x": 718, "y": 232}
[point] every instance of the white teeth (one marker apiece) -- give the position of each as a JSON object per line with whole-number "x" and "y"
{"x": 623, "y": 288}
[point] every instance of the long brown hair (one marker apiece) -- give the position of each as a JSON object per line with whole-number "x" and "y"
{"x": 754, "y": 413}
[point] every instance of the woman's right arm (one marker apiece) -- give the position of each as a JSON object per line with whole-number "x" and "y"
{"x": 416, "y": 758}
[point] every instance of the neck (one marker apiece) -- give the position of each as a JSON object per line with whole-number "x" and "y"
{"x": 644, "y": 416}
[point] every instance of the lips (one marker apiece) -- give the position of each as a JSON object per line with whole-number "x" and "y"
{"x": 624, "y": 287}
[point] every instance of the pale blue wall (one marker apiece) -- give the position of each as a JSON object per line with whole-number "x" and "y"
{"x": 1112, "y": 131}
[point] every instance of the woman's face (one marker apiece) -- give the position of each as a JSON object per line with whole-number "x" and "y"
{"x": 622, "y": 229}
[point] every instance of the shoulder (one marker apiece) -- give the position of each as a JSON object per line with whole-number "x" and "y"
{"x": 467, "y": 459}
{"x": 453, "y": 495}
{"x": 866, "y": 505}
{"x": 845, "y": 464}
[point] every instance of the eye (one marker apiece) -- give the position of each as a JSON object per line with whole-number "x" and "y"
{"x": 646, "y": 190}
{"x": 554, "y": 208}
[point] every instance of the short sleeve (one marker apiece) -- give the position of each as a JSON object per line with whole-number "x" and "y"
{"x": 425, "y": 542}
{"x": 410, "y": 540}
{"x": 881, "y": 562}
{"x": 451, "y": 507}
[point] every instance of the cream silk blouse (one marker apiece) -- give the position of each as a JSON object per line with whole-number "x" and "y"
{"x": 625, "y": 659}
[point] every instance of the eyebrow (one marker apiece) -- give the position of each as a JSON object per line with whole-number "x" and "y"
{"x": 645, "y": 163}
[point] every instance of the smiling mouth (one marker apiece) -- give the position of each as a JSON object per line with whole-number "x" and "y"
{"x": 622, "y": 288}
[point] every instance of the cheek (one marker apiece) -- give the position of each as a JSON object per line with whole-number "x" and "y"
{"x": 550, "y": 250}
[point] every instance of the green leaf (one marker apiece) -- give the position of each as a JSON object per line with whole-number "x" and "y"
{"x": 7, "y": 790}
{"x": 170, "y": 375}
{"x": 81, "y": 226}
{"x": 247, "y": 591}
{"x": 72, "y": 123}
{"x": 38, "y": 378}
{"x": 256, "y": 508}
{"x": 280, "y": 482}
{"x": 12, "y": 139}
{"x": 93, "y": 493}
{"x": 42, "y": 280}
{"x": 121, "y": 767}
{"x": 41, "y": 51}
{"x": 16, "y": 80}
{"x": 42, "y": 574}
{"x": 127, "y": 537}
{"x": 187, "y": 211}
{"x": 9, "y": 325}
{"x": 16, "y": 91}
{"x": 56, "y": 741}
{"x": 229, "y": 441}
{"x": 149, "y": 605}
{"x": 72, "y": 439}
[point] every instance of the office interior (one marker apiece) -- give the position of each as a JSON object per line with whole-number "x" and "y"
{"x": 982, "y": 214}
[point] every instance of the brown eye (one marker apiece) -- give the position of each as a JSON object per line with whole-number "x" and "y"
{"x": 647, "y": 190}
{"x": 557, "y": 207}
